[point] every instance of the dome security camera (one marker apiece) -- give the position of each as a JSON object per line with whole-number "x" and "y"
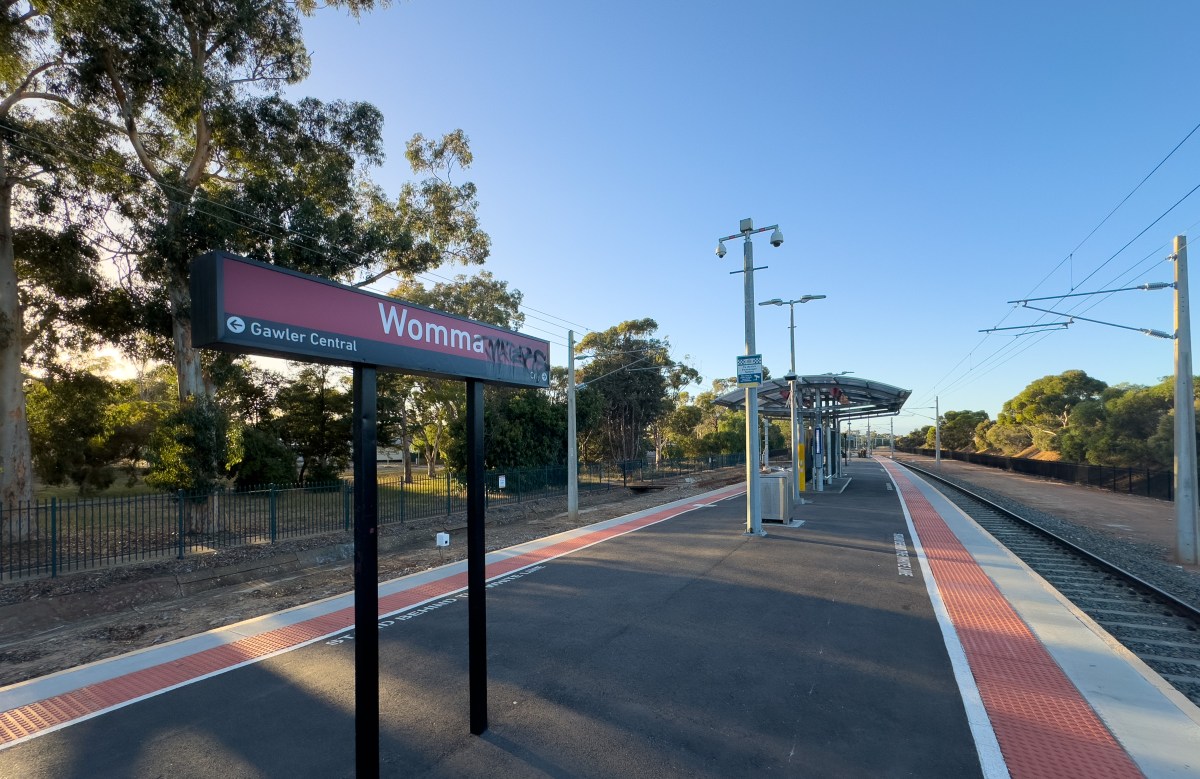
{"x": 776, "y": 237}
{"x": 720, "y": 249}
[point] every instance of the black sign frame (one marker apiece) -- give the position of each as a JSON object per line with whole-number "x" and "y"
{"x": 322, "y": 321}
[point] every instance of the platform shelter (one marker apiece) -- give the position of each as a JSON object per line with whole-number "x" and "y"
{"x": 824, "y": 401}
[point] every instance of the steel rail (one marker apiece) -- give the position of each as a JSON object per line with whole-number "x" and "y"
{"x": 1181, "y": 605}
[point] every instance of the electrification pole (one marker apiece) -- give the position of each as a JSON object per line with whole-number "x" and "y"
{"x": 572, "y": 432}
{"x": 1185, "y": 415}
{"x": 937, "y": 433}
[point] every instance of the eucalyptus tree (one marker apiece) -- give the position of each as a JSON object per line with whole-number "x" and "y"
{"x": 315, "y": 410}
{"x": 958, "y": 429}
{"x": 218, "y": 157}
{"x": 51, "y": 290}
{"x": 226, "y": 161}
{"x": 1045, "y": 405}
{"x": 1128, "y": 426}
{"x": 23, "y": 67}
{"x": 634, "y": 373}
{"x": 422, "y": 410}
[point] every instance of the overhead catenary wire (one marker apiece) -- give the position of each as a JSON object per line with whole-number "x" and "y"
{"x": 1070, "y": 255}
{"x": 941, "y": 386}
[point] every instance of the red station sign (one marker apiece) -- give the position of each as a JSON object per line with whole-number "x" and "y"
{"x": 241, "y": 305}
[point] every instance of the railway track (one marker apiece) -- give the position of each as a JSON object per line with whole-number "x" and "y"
{"x": 1161, "y": 629}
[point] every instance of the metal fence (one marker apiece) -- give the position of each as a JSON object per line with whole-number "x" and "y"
{"x": 53, "y": 536}
{"x": 1134, "y": 481}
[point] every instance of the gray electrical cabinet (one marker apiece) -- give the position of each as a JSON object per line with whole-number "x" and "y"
{"x": 776, "y": 491}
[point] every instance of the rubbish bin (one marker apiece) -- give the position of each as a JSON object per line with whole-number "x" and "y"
{"x": 776, "y": 493}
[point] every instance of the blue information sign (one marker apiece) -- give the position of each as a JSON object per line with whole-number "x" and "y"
{"x": 749, "y": 370}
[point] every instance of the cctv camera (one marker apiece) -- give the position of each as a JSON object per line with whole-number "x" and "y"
{"x": 720, "y": 249}
{"x": 776, "y": 237}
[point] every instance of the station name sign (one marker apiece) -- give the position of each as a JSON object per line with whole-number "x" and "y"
{"x": 240, "y": 305}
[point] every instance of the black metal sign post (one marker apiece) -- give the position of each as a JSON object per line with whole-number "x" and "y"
{"x": 243, "y": 306}
{"x": 366, "y": 576}
{"x": 476, "y": 562}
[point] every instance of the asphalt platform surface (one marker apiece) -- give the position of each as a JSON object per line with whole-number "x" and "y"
{"x": 686, "y": 648}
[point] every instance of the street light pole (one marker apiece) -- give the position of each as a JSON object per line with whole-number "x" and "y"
{"x": 753, "y": 498}
{"x": 797, "y": 441}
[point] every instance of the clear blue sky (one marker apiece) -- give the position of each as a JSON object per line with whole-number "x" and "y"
{"x": 927, "y": 161}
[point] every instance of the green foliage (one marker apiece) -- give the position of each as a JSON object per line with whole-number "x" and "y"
{"x": 189, "y": 448}
{"x": 315, "y": 421}
{"x": 776, "y": 439}
{"x": 83, "y": 425}
{"x": 980, "y": 437}
{"x": 728, "y": 435}
{"x": 681, "y": 425}
{"x": 247, "y": 391}
{"x": 523, "y": 428}
{"x": 1044, "y": 407}
{"x": 633, "y": 373}
{"x": 1008, "y": 436}
{"x": 1124, "y": 427}
{"x": 482, "y": 297}
{"x": 258, "y": 457}
{"x": 427, "y": 411}
{"x": 66, "y": 430}
{"x": 958, "y": 429}
{"x": 323, "y": 473}
{"x": 220, "y": 158}
{"x": 916, "y": 439}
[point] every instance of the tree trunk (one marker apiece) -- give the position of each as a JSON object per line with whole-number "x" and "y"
{"x": 434, "y": 446}
{"x": 188, "y": 369}
{"x": 405, "y": 445}
{"x": 189, "y": 374}
{"x": 16, "y": 484}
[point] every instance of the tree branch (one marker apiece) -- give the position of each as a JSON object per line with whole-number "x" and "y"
{"x": 131, "y": 130}
{"x": 31, "y": 13}
{"x": 19, "y": 93}
{"x": 196, "y": 168}
{"x": 372, "y": 279}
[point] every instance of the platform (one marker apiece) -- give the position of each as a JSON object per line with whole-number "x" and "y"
{"x": 847, "y": 646}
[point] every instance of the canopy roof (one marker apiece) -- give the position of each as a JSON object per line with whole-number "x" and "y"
{"x": 850, "y": 397}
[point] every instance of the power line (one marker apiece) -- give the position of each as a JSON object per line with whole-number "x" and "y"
{"x": 1140, "y": 234}
{"x": 1114, "y": 210}
{"x": 1070, "y": 256}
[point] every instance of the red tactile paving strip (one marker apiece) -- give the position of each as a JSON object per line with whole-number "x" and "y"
{"x": 30, "y": 720}
{"x": 1043, "y": 724}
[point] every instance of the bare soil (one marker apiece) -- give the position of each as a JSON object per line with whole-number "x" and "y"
{"x": 49, "y": 625}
